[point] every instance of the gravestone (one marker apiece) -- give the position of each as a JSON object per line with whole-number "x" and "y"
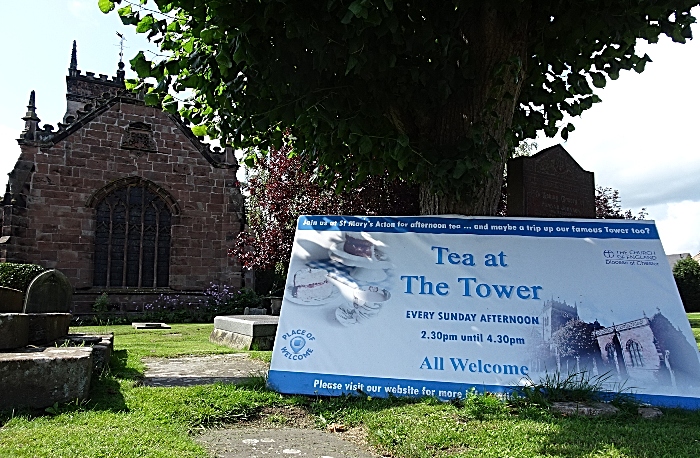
{"x": 550, "y": 184}
{"x": 254, "y": 311}
{"x": 49, "y": 292}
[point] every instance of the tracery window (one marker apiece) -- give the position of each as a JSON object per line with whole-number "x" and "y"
{"x": 635, "y": 352}
{"x": 132, "y": 238}
{"x": 610, "y": 352}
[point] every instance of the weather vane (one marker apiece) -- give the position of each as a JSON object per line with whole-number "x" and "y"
{"x": 121, "y": 46}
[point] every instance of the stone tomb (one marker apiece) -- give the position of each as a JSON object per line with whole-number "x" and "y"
{"x": 39, "y": 377}
{"x": 14, "y": 330}
{"x": 11, "y": 300}
{"x": 44, "y": 315}
{"x": 57, "y": 367}
{"x": 245, "y": 332}
{"x": 550, "y": 184}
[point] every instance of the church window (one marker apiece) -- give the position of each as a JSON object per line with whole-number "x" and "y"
{"x": 132, "y": 238}
{"x": 635, "y": 352}
{"x": 610, "y": 351}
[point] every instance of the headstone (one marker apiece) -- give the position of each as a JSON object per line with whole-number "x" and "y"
{"x": 550, "y": 184}
{"x": 49, "y": 292}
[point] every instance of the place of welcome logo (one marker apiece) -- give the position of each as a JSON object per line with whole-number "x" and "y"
{"x": 296, "y": 344}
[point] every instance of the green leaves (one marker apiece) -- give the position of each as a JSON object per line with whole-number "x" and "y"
{"x": 239, "y": 54}
{"x": 459, "y": 170}
{"x": 140, "y": 65}
{"x": 358, "y": 8}
{"x": 105, "y": 5}
{"x": 598, "y": 79}
{"x": 353, "y": 80}
{"x": 365, "y": 145}
{"x": 223, "y": 59}
{"x": 152, "y": 99}
{"x": 145, "y": 24}
{"x": 352, "y": 62}
{"x": 200, "y": 131}
{"x": 565, "y": 131}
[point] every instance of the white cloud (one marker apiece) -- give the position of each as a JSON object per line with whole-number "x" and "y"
{"x": 678, "y": 225}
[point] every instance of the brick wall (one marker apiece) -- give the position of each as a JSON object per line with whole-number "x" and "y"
{"x": 56, "y": 226}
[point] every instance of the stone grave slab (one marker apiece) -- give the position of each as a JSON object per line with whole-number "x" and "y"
{"x": 11, "y": 300}
{"x": 49, "y": 292}
{"x": 40, "y": 377}
{"x": 47, "y": 327}
{"x": 202, "y": 370}
{"x": 550, "y": 184}
{"x": 150, "y": 326}
{"x": 14, "y": 330}
{"x": 285, "y": 441}
{"x": 245, "y": 332}
{"x": 102, "y": 347}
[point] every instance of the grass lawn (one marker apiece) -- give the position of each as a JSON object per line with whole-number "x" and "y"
{"x": 694, "y": 319}
{"x": 123, "y": 419}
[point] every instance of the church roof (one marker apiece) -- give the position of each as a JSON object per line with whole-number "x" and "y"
{"x": 96, "y": 95}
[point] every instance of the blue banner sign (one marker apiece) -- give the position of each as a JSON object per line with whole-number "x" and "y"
{"x": 438, "y": 306}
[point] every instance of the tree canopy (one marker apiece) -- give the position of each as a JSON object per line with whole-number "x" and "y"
{"x": 686, "y": 272}
{"x": 609, "y": 206}
{"x": 280, "y": 190}
{"x": 434, "y": 92}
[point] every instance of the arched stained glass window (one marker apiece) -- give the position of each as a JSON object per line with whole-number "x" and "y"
{"x": 610, "y": 352}
{"x": 635, "y": 352}
{"x": 132, "y": 238}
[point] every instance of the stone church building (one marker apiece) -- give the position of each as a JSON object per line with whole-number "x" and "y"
{"x": 121, "y": 197}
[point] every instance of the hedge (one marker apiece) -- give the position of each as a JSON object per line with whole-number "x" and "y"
{"x": 18, "y": 276}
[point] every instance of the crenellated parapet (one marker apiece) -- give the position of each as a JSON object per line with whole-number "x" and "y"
{"x": 84, "y": 89}
{"x": 87, "y": 97}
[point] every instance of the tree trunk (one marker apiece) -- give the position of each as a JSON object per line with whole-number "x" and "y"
{"x": 494, "y": 38}
{"x": 482, "y": 201}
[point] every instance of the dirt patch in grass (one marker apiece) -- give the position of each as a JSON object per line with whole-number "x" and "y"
{"x": 286, "y": 426}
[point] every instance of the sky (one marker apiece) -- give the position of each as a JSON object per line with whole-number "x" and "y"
{"x": 641, "y": 140}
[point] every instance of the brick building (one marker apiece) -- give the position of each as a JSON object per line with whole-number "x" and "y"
{"x": 122, "y": 198}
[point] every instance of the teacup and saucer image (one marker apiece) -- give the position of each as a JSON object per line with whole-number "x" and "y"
{"x": 366, "y": 304}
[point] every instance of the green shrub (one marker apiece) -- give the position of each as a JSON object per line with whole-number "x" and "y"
{"x": 687, "y": 275}
{"x": 18, "y": 276}
{"x": 172, "y": 308}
